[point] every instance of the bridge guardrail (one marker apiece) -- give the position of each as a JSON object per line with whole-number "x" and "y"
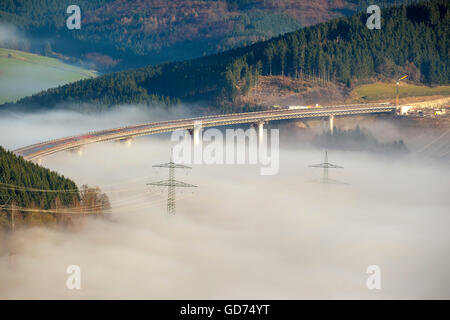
{"x": 207, "y": 121}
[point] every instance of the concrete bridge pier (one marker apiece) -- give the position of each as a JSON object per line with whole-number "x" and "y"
{"x": 261, "y": 132}
{"x": 331, "y": 123}
{"x": 328, "y": 124}
{"x": 259, "y": 126}
{"x": 192, "y": 134}
{"x": 325, "y": 114}
{"x": 196, "y": 133}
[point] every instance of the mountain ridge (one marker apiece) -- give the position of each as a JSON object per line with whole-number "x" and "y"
{"x": 116, "y": 35}
{"x": 413, "y": 38}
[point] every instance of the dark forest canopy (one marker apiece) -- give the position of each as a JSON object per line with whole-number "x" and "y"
{"x": 34, "y": 195}
{"x": 17, "y": 175}
{"x": 412, "y": 39}
{"x": 122, "y": 34}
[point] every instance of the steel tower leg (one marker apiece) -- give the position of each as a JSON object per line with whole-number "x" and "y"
{"x": 325, "y": 170}
{"x": 325, "y": 175}
{"x": 171, "y": 183}
{"x": 171, "y": 192}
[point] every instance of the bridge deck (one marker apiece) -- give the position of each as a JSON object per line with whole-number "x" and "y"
{"x": 42, "y": 149}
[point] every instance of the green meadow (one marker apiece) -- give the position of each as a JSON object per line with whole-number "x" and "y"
{"x": 23, "y": 74}
{"x": 386, "y": 91}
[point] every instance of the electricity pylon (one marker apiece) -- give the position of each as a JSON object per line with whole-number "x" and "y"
{"x": 171, "y": 183}
{"x": 326, "y": 165}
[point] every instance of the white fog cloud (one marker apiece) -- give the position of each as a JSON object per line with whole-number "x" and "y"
{"x": 239, "y": 235}
{"x": 8, "y": 33}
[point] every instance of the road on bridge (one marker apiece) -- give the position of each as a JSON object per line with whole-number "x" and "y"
{"x": 39, "y": 150}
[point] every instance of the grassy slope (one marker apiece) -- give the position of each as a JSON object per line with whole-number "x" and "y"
{"x": 23, "y": 74}
{"x": 382, "y": 91}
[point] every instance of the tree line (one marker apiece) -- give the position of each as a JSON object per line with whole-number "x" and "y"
{"x": 22, "y": 174}
{"x": 33, "y": 195}
{"x": 413, "y": 38}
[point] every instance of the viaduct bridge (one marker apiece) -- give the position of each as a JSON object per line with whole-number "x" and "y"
{"x": 39, "y": 150}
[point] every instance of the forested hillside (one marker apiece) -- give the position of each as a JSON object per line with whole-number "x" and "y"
{"x": 18, "y": 175}
{"x": 413, "y": 39}
{"x": 121, "y": 34}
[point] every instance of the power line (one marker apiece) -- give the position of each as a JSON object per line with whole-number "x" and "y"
{"x": 29, "y": 189}
{"x": 76, "y": 210}
{"x": 4, "y": 197}
{"x": 432, "y": 142}
{"x": 171, "y": 183}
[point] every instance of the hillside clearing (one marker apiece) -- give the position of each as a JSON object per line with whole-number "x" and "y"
{"x": 386, "y": 91}
{"x": 23, "y": 74}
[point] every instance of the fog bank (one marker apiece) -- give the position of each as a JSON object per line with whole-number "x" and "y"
{"x": 239, "y": 235}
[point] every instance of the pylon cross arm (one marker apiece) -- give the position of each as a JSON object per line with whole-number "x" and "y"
{"x": 173, "y": 183}
{"x": 171, "y": 165}
{"x": 326, "y": 165}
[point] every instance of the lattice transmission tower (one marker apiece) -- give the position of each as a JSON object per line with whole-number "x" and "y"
{"x": 326, "y": 165}
{"x": 171, "y": 183}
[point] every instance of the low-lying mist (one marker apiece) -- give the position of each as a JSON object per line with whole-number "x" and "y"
{"x": 11, "y": 37}
{"x": 25, "y": 128}
{"x": 239, "y": 235}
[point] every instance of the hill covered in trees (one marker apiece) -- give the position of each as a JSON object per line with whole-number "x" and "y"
{"x": 116, "y": 35}
{"x": 413, "y": 39}
{"x": 22, "y": 174}
{"x": 36, "y": 194}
